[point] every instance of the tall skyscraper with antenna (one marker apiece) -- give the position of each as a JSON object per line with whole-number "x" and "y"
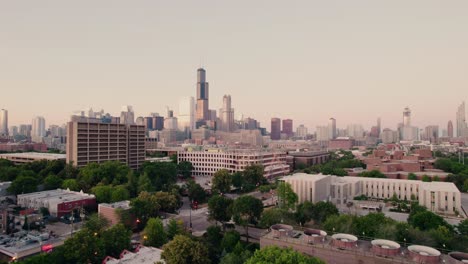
{"x": 203, "y": 113}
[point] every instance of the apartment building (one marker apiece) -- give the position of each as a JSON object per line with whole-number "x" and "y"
{"x": 208, "y": 161}
{"x": 438, "y": 197}
{"x": 93, "y": 140}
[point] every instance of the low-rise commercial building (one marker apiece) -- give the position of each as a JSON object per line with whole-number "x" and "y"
{"x": 112, "y": 212}
{"x": 59, "y": 202}
{"x": 208, "y": 161}
{"x": 438, "y": 197}
{"x": 28, "y": 157}
{"x": 142, "y": 255}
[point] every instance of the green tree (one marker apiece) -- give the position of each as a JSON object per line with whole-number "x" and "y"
{"x": 304, "y": 212}
{"x": 230, "y": 240}
{"x": 183, "y": 250}
{"x": 370, "y": 224}
{"x": 276, "y": 255}
{"x": 412, "y": 176}
{"x": 340, "y": 224}
{"x": 144, "y": 184}
{"x": 222, "y": 181}
{"x": 96, "y": 223}
{"x": 52, "y": 182}
{"x": 71, "y": 184}
{"x": 154, "y": 234}
{"x": 23, "y": 184}
{"x": 168, "y": 202}
{"x": 322, "y": 210}
{"x": 174, "y": 227}
{"x": 196, "y": 192}
{"x": 237, "y": 180}
{"x": 462, "y": 227}
{"x": 236, "y": 258}
{"x": 161, "y": 174}
{"x": 144, "y": 206}
{"x": 253, "y": 174}
{"x": 288, "y": 198}
{"x": 103, "y": 193}
{"x": 372, "y": 174}
{"x": 116, "y": 239}
{"x": 119, "y": 193}
{"x": 275, "y": 216}
{"x": 219, "y": 208}
{"x": 84, "y": 247}
{"x": 184, "y": 168}
{"x": 427, "y": 220}
{"x": 247, "y": 209}
{"x": 426, "y": 178}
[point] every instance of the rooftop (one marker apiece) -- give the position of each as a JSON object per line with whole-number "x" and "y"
{"x": 119, "y": 205}
{"x": 35, "y": 155}
{"x": 305, "y": 176}
{"x": 143, "y": 255}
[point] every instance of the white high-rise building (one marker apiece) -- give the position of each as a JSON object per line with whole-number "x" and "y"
{"x": 332, "y": 128}
{"x": 4, "y": 122}
{"x": 322, "y": 133}
{"x": 461, "y": 121}
{"x": 407, "y": 117}
{"x": 301, "y": 131}
{"x": 127, "y": 116}
{"x": 186, "y": 117}
{"x": 38, "y": 129}
{"x": 227, "y": 115}
{"x": 408, "y": 132}
{"x": 355, "y": 131}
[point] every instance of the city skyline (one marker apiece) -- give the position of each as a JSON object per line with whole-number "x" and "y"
{"x": 294, "y": 61}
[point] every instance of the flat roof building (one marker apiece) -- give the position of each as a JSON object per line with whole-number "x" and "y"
{"x": 59, "y": 202}
{"x": 92, "y": 140}
{"x": 111, "y": 211}
{"x": 438, "y": 197}
{"x": 207, "y": 162}
{"x": 28, "y": 157}
{"x": 142, "y": 255}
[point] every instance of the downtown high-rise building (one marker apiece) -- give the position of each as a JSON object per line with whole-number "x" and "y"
{"x": 203, "y": 112}
{"x": 301, "y": 131}
{"x": 226, "y": 114}
{"x": 332, "y": 128}
{"x": 38, "y": 129}
{"x": 461, "y": 121}
{"x": 450, "y": 129}
{"x": 356, "y": 131}
{"x": 288, "y": 127}
{"x": 3, "y": 122}
{"x": 275, "y": 133}
{"x": 408, "y": 132}
{"x": 92, "y": 140}
{"x": 127, "y": 116}
{"x": 186, "y": 117}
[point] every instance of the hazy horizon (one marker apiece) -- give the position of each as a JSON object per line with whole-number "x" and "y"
{"x": 307, "y": 60}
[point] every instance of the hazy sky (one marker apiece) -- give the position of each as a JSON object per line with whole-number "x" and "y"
{"x": 306, "y": 60}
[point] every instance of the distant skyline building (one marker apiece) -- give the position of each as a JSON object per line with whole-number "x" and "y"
{"x": 13, "y": 131}
{"x": 461, "y": 121}
{"x": 186, "y": 117}
{"x": 406, "y": 117}
{"x": 25, "y": 130}
{"x": 288, "y": 127}
{"x": 450, "y": 129}
{"x": 170, "y": 122}
{"x": 301, "y": 131}
{"x": 275, "y": 133}
{"x": 3, "y": 122}
{"x": 389, "y": 136}
{"x": 322, "y": 133}
{"x": 226, "y": 114}
{"x": 38, "y": 129}
{"x": 379, "y": 126}
{"x": 127, "y": 116}
{"x": 203, "y": 112}
{"x": 355, "y": 131}
{"x": 332, "y": 128}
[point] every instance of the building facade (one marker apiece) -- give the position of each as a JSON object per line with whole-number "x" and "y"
{"x": 226, "y": 114}
{"x": 3, "y": 122}
{"x": 275, "y": 133}
{"x": 95, "y": 141}
{"x": 461, "y": 121}
{"x": 59, "y": 202}
{"x": 438, "y": 197}
{"x": 288, "y": 128}
{"x": 203, "y": 112}
{"x": 207, "y": 162}
{"x": 38, "y": 129}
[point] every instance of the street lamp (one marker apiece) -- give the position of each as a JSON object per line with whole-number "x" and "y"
{"x": 404, "y": 239}
{"x": 72, "y": 219}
